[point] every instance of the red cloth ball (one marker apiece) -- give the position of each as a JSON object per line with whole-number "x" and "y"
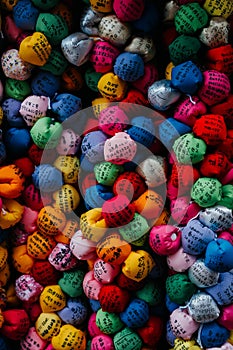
{"x": 215, "y": 165}
{"x": 32, "y": 198}
{"x": 152, "y": 331}
{"x": 113, "y": 299}
{"x": 129, "y": 184}
{"x": 128, "y": 284}
{"x": 16, "y": 324}
{"x": 44, "y": 273}
{"x": 118, "y": 211}
{"x": 183, "y": 176}
{"x": 211, "y": 128}
{"x": 25, "y": 165}
{"x": 35, "y": 154}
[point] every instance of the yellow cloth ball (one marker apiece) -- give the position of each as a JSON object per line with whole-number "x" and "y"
{"x": 51, "y": 220}
{"x": 35, "y": 49}
{"x": 69, "y": 166}
{"x": 66, "y": 198}
{"x": 92, "y": 225}
{"x": 52, "y": 299}
{"x": 69, "y": 338}
{"x": 22, "y": 262}
{"x": 112, "y": 87}
{"x": 48, "y": 325}
{"x": 138, "y": 265}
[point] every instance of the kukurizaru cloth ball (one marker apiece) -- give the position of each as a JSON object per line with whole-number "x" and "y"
{"x": 142, "y": 130}
{"x": 195, "y": 237}
{"x": 48, "y": 325}
{"x": 136, "y": 314}
{"x": 179, "y": 288}
{"x": 112, "y": 119}
{"x": 92, "y": 146}
{"x": 206, "y": 191}
{"x": 104, "y": 7}
{"x": 31, "y": 339}
{"x": 65, "y": 105}
{"x": 12, "y": 181}
{"x": 118, "y": 211}
{"x": 135, "y": 231}
{"x": 14, "y": 67}
{"x": 25, "y": 15}
{"x": 17, "y": 89}
{"x": 215, "y": 165}
{"x": 104, "y": 272}
{"x": 16, "y": 323}
{"x": 69, "y": 143}
{"x": 220, "y": 59}
{"x": 165, "y": 239}
{"x": 93, "y": 224}
{"x": 218, "y": 255}
{"x": 61, "y": 257}
{"x": 56, "y": 63}
{"x": 129, "y": 66}
{"x": 50, "y": 221}
{"x": 149, "y": 205}
{"x": 33, "y": 108}
{"x": 201, "y": 275}
{"x": 134, "y": 268}
{"x": 186, "y": 77}
{"x": 71, "y": 283}
{"x": 91, "y": 286}
{"x": 182, "y": 324}
{"x": 75, "y": 312}
{"x": 212, "y": 334}
{"x": 82, "y": 248}
{"x": 225, "y": 318}
{"x": 69, "y": 166}
{"x": 108, "y": 322}
{"x": 45, "y": 84}
{"x": 11, "y": 107}
{"x": 27, "y": 289}
{"x": 188, "y": 110}
{"x": 215, "y": 87}
{"x": 89, "y": 21}
{"x": 44, "y": 273}
{"x": 184, "y": 48}
{"x": 106, "y": 173}
{"x": 103, "y": 56}
{"x": 217, "y": 218}
{"x": 153, "y": 170}
{"x": 198, "y": 306}
{"x": 56, "y": 298}
{"x": 190, "y": 18}
{"x": 119, "y": 149}
{"x": 113, "y": 249}
{"x": 211, "y": 128}
{"x": 17, "y": 142}
{"x": 53, "y": 26}
{"x": 223, "y": 8}
{"x": 35, "y": 49}
{"x": 113, "y": 299}
{"x": 144, "y": 45}
{"x": 67, "y": 335}
{"x": 39, "y": 245}
{"x": 180, "y": 261}
{"x": 129, "y": 184}
{"x": 162, "y": 95}
{"x": 130, "y": 11}
{"x": 102, "y": 340}
{"x": 47, "y": 178}
{"x": 76, "y": 48}
{"x": 189, "y": 149}
{"x": 221, "y": 292}
{"x": 46, "y": 133}
{"x": 95, "y": 196}
{"x": 112, "y": 87}
{"x": 128, "y": 339}
{"x": 114, "y": 31}
{"x": 216, "y": 34}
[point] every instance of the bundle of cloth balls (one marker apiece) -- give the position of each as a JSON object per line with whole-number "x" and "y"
{"x": 116, "y": 175}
